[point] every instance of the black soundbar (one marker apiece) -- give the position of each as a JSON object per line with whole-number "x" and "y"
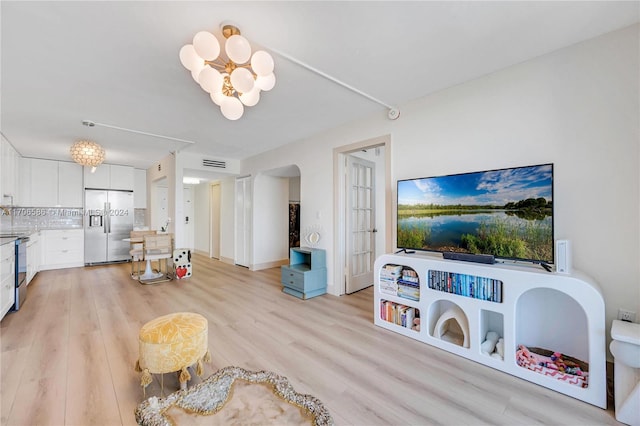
{"x": 468, "y": 257}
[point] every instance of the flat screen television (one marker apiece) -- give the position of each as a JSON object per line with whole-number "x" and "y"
{"x": 507, "y": 213}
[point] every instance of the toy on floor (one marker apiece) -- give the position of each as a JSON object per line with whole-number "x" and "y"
{"x": 182, "y": 263}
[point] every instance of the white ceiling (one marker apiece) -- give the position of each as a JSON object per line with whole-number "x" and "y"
{"x": 117, "y": 63}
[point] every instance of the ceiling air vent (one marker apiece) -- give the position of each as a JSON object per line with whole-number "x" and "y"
{"x": 214, "y": 163}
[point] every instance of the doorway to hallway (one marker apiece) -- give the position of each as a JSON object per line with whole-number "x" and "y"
{"x": 362, "y": 220}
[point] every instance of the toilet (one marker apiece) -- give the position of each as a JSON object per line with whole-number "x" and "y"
{"x": 625, "y": 349}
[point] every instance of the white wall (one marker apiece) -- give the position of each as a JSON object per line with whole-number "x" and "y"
{"x": 227, "y": 219}
{"x": 188, "y": 211}
{"x": 294, "y": 189}
{"x": 161, "y": 206}
{"x": 201, "y": 217}
{"x": 165, "y": 169}
{"x": 140, "y": 189}
{"x": 577, "y": 107}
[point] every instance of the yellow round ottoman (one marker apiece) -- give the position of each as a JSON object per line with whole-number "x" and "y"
{"x": 172, "y": 343}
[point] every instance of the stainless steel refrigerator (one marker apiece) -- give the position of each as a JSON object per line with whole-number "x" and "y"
{"x": 108, "y": 222}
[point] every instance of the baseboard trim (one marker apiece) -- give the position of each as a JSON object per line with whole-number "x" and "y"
{"x": 269, "y": 265}
{"x": 53, "y": 266}
{"x": 227, "y": 260}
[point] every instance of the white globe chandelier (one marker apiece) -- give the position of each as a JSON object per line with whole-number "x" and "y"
{"x": 232, "y": 82}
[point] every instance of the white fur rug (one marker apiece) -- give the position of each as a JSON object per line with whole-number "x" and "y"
{"x": 235, "y": 396}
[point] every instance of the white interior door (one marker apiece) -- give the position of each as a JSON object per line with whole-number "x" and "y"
{"x": 360, "y": 223}
{"x": 189, "y": 236}
{"x": 243, "y": 221}
{"x": 214, "y": 241}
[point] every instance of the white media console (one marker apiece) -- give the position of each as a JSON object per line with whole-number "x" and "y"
{"x": 532, "y": 307}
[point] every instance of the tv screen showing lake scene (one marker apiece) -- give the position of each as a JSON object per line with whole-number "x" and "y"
{"x": 507, "y": 213}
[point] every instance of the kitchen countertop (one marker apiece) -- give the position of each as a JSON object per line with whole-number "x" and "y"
{"x": 29, "y": 231}
{"x": 11, "y": 234}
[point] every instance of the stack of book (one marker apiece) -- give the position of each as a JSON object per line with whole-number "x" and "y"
{"x": 466, "y": 285}
{"x": 409, "y": 285}
{"x": 398, "y": 314}
{"x": 389, "y": 276}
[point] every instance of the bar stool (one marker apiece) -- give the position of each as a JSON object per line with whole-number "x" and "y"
{"x": 137, "y": 249}
{"x": 156, "y": 247}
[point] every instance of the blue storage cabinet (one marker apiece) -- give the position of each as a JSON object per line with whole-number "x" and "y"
{"x": 306, "y": 275}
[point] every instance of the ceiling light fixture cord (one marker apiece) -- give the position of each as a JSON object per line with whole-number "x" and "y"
{"x": 394, "y": 112}
{"x": 90, "y": 123}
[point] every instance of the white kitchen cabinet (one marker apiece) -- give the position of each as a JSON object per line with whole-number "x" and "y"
{"x": 8, "y": 174}
{"x": 7, "y": 277}
{"x": 44, "y": 183}
{"x": 24, "y": 183}
{"x": 109, "y": 176}
{"x": 140, "y": 189}
{"x": 49, "y": 183}
{"x": 4, "y": 181}
{"x": 33, "y": 256}
{"x": 99, "y": 179}
{"x": 70, "y": 192}
{"x": 62, "y": 248}
{"x": 121, "y": 177}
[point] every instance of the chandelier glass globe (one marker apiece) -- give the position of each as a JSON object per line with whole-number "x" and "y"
{"x": 233, "y": 78}
{"x": 231, "y": 108}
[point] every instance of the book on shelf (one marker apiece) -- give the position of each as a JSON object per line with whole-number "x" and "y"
{"x": 409, "y": 290}
{"x": 391, "y": 271}
{"x": 399, "y": 281}
{"x": 397, "y": 313}
{"x": 389, "y": 275}
{"x": 389, "y": 290}
{"x": 410, "y": 296}
{"x": 386, "y": 310}
{"x": 408, "y": 283}
{"x": 393, "y": 268}
{"x": 483, "y": 288}
{"x": 402, "y": 314}
{"x": 410, "y": 276}
{"x": 409, "y": 316}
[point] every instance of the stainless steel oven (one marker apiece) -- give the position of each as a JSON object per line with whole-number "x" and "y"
{"x": 21, "y": 272}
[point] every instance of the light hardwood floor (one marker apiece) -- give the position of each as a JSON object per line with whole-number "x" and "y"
{"x": 68, "y": 354}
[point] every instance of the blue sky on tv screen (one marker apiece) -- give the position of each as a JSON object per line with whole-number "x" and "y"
{"x": 495, "y": 187}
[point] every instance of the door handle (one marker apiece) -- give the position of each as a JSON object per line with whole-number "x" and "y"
{"x": 107, "y": 218}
